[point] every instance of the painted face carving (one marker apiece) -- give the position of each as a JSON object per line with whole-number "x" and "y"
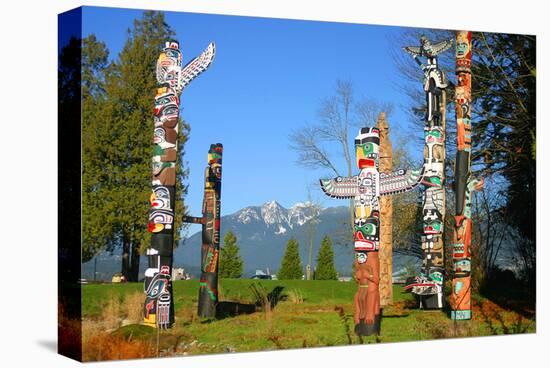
{"x": 215, "y": 159}
{"x": 164, "y": 98}
{"x": 462, "y": 266}
{"x": 436, "y": 276}
{"x": 367, "y": 148}
{"x": 462, "y": 45}
{"x": 169, "y": 65}
{"x": 160, "y": 198}
{"x": 432, "y": 227}
{"x": 434, "y": 135}
{"x": 367, "y": 232}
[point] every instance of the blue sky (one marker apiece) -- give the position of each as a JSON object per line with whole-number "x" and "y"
{"x": 268, "y": 78}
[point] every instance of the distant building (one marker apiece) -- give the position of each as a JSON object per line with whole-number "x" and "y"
{"x": 118, "y": 278}
{"x": 178, "y": 273}
{"x": 261, "y": 275}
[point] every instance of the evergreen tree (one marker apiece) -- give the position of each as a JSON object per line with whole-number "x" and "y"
{"x": 231, "y": 263}
{"x": 117, "y": 144}
{"x": 325, "y": 261}
{"x": 291, "y": 265}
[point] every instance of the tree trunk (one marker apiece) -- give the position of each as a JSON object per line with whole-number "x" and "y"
{"x": 386, "y": 212}
{"x": 133, "y": 273}
{"x": 125, "y": 267}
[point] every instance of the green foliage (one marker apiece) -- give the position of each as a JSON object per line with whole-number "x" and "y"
{"x": 325, "y": 261}
{"x": 407, "y": 211}
{"x": 231, "y": 263}
{"x": 94, "y": 63}
{"x": 504, "y": 88}
{"x": 291, "y": 265}
{"x": 117, "y": 140}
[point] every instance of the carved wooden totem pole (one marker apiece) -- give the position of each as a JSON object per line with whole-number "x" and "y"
{"x": 366, "y": 189}
{"x": 428, "y": 286}
{"x": 464, "y": 184}
{"x": 386, "y": 212}
{"x": 210, "y": 220}
{"x": 173, "y": 78}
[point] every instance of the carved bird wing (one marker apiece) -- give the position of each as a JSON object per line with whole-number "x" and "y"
{"x": 197, "y": 66}
{"x": 341, "y": 187}
{"x": 399, "y": 181}
{"x": 413, "y": 50}
{"x": 441, "y": 46}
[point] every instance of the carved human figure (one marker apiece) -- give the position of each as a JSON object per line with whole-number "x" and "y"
{"x": 367, "y": 299}
{"x": 366, "y": 188}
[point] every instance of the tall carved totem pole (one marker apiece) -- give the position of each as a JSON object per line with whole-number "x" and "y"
{"x": 429, "y": 285}
{"x": 210, "y": 221}
{"x": 366, "y": 189}
{"x": 465, "y": 184}
{"x": 386, "y": 213}
{"x": 172, "y": 78}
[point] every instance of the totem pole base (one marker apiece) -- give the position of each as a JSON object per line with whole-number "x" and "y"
{"x": 208, "y": 296}
{"x": 433, "y": 301}
{"x": 368, "y": 329}
{"x": 461, "y": 315}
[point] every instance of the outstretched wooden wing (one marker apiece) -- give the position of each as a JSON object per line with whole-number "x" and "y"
{"x": 413, "y": 50}
{"x": 441, "y": 46}
{"x": 197, "y": 66}
{"x": 399, "y": 181}
{"x": 341, "y": 187}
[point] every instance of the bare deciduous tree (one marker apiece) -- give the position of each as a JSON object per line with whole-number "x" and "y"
{"x": 332, "y": 132}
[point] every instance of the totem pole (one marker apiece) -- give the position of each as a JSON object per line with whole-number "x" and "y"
{"x": 428, "y": 286}
{"x": 366, "y": 189}
{"x": 210, "y": 221}
{"x": 464, "y": 184}
{"x": 173, "y": 78}
{"x": 386, "y": 212}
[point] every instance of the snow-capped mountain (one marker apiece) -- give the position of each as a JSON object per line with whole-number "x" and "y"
{"x": 263, "y": 232}
{"x": 275, "y": 217}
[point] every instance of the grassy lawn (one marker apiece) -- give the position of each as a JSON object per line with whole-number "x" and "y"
{"x": 310, "y": 313}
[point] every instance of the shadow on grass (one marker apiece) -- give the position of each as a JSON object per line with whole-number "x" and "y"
{"x": 266, "y": 300}
{"x": 232, "y": 309}
{"x": 263, "y": 301}
{"x": 396, "y": 315}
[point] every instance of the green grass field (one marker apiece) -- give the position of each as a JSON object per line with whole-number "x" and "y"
{"x": 310, "y": 313}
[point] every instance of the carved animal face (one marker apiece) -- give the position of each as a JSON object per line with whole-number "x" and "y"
{"x": 169, "y": 65}
{"x": 367, "y": 148}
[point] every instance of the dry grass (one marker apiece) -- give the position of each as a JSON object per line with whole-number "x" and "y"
{"x": 97, "y": 340}
{"x": 132, "y": 307}
{"x": 111, "y": 313}
{"x": 107, "y": 347}
{"x": 444, "y": 329}
{"x": 295, "y": 296}
{"x": 261, "y": 296}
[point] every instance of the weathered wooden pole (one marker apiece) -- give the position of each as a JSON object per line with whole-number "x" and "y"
{"x": 429, "y": 285}
{"x": 173, "y": 78}
{"x": 365, "y": 189}
{"x": 464, "y": 184}
{"x": 386, "y": 213}
{"x": 210, "y": 221}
